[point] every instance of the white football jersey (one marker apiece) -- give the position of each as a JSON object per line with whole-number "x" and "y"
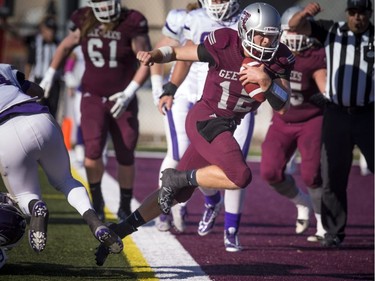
{"x": 10, "y": 89}
{"x": 198, "y": 25}
{"x": 174, "y": 25}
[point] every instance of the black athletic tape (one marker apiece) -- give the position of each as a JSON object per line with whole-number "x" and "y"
{"x": 169, "y": 89}
{"x": 276, "y": 96}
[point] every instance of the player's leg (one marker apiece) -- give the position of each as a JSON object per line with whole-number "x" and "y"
{"x": 177, "y": 143}
{"x": 124, "y": 132}
{"x": 94, "y": 131}
{"x": 309, "y": 144}
{"x": 20, "y": 144}
{"x": 54, "y": 159}
{"x": 213, "y": 201}
{"x": 79, "y": 149}
{"x": 226, "y": 167}
{"x": 234, "y": 198}
{"x": 277, "y": 148}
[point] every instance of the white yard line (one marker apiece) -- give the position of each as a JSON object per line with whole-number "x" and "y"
{"x": 161, "y": 250}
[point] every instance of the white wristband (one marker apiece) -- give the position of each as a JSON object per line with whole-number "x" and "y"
{"x": 157, "y": 82}
{"x": 70, "y": 80}
{"x": 50, "y": 73}
{"x": 157, "y": 87}
{"x": 131, "y": 88}
{"x": 167, "y": 52}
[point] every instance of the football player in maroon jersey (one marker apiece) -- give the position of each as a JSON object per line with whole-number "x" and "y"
{"x": 214, "y": 158}
{"x": 299, "y": 128}
{"x": 110, "y": 37}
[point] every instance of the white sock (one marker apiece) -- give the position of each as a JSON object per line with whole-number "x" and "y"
{"x": 320, "y": 231}
{"x": 79, "y": 199}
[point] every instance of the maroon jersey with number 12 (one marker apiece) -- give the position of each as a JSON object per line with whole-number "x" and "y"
{"x": 223, "y": 90}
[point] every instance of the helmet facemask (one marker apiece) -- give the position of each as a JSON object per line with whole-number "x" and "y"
{"x": 222, "y": 11}
{"x": 264, "y": 20}
{"x": 296, "y": 42}
{"x": 105, "y": 11}
{"x": 259, "y": 52}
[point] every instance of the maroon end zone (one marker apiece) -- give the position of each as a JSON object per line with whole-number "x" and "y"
{"x": 272, "y": 250}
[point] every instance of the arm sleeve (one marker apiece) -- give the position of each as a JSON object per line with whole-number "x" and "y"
{"x": 204, "y": 55}
{"x": 320, "y": 28}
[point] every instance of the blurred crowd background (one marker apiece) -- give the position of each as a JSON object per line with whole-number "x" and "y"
{"x": 19, "y": 19}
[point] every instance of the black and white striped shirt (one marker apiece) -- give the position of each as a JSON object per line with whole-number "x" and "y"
{"x": 350, "y": 62}
{"x": 40, "y": 55}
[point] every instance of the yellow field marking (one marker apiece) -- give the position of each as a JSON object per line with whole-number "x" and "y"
{"x": 136, "y": 260}
{"x": 133, "y": 255}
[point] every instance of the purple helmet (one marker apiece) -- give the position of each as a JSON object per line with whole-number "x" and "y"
{"x": 12, "y": 222}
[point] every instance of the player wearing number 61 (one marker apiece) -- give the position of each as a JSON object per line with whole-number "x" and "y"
{"x": 110, "y": 37}
{"x": 214, "y": 159}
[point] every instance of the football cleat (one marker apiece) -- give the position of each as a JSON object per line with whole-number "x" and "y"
{"x": 209, "y": 216}
{"x": 171, "y": 182}
{"x": 109, "y": 239}
{"x": 179, "y": 214}
{"x": 38, "y": 226}
{"x": 101, "y": 254}
{"x": 301, "y": 226}
{"x": 320, "y": 231}
{"x": 231, "y": 241}
{"x": 163, "y": 222}
{"x": 315, "y": 238}
{"x": 331, "y": 241}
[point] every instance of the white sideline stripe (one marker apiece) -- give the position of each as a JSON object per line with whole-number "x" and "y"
{"x": 164, "y": 254}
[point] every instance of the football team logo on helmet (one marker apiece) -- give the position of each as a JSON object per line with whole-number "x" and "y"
{"x": 264, "y": 20}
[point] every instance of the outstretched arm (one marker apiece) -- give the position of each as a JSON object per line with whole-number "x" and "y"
{"x": 157, "y": 70}
{"x": 62, "y": 52}
{"x": 168, "y": 54}
{"x": 180, "y": 71}
{"x": 299, "y": 22}
{"x": 123, "y": 98}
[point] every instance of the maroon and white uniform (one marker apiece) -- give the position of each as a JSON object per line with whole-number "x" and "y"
{"x": 224, "y": 96}
{"x": 300, "y": 127}
{"x": 110, "y": 65}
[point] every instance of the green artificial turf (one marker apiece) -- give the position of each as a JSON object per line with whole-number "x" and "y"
{"x": 69, "y": 254}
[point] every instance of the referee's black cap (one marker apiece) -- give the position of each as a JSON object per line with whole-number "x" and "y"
{"x": 359, "y": 4}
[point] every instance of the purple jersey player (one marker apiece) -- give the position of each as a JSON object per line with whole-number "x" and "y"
{"x": 110, "y": 37}
{"x": 299, "y": 128}
{"x": 32, "y": 139}
{"x": 214, "y": 158}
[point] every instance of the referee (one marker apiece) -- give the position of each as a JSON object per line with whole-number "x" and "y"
{"x": 349, "y": 115}
{"x": 41, "y": 49}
